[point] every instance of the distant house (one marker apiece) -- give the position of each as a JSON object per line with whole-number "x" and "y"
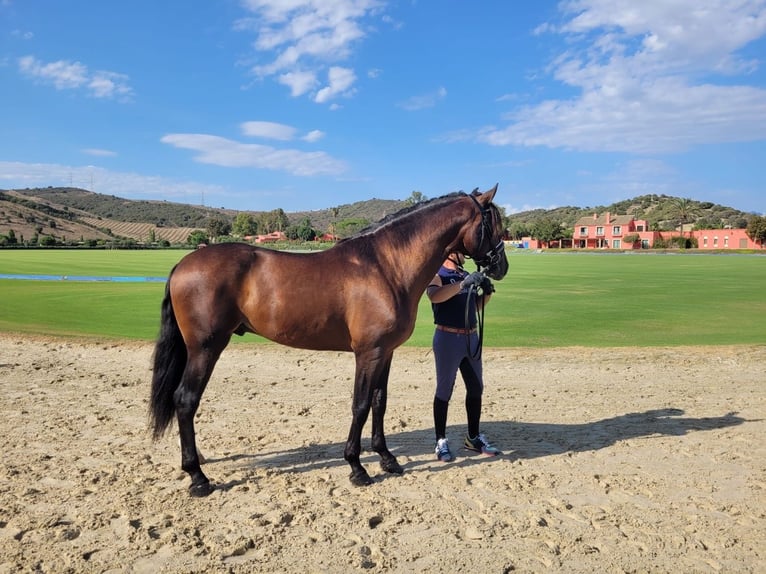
{"x": 724, "y": 239}
{"x": 272, "y": 237}
{"x": 607, "y": 231}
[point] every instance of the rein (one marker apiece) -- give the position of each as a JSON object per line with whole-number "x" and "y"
{"x": 483, "y": 262}
{"x": 475, "y": 355}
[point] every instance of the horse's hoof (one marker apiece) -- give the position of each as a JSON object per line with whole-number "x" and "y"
{"x": 391, "y": 466}
{"x": 200, "y": 490}
{"x": 361, "y": 479}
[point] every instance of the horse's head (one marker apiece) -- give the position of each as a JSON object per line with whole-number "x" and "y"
{"x": 484, "y": 240}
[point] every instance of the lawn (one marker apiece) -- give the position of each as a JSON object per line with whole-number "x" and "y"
{"x": 548, "y": 299}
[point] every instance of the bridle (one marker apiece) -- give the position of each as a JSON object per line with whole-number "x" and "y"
{"x": 483, "y": 262}
{"x": 491, "y": 257}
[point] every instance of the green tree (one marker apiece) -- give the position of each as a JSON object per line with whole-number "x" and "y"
{"x": 756, "y": 229}
{"x": 244, "y": 224}
{"x": 218, "y": 226}
{"x": 518, "y": 229}
{"x": 685, "y": 210}
{"x": 274, "y": 220}
{"x": 332, "y": 228}
{"x": 350, "y": 226}
{"x": 415, "y": 198}
{"x": 196, "y": 237}
{"x": 302, "y": 231}
{"x": 547, "y": 229}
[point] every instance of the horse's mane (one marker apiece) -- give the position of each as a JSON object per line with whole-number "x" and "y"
{"x": 406, "y": 212}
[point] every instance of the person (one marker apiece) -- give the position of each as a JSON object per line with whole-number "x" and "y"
{"x": 456, "y": 347}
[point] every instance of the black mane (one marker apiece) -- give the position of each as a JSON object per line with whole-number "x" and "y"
{"x": 404, "y": 212}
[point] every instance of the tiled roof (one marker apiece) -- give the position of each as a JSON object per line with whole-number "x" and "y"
{"x": 601, "y": 220}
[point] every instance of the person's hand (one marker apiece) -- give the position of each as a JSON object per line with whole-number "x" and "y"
{"x": 474, "y": 279}
{"x": 486, "y": 286}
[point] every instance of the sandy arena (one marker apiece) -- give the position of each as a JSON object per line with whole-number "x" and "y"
{"x": 616, "y": 460}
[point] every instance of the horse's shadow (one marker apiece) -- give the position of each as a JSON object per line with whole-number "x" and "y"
{"x": 518, "y": 440}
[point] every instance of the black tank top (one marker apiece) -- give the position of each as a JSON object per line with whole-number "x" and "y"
{"x": 451, "y": 313}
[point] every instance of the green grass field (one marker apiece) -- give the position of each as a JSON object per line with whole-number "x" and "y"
{"x": 547, "y": 300}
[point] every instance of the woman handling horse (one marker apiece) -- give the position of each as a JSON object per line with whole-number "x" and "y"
{"x": 361, "y": 296}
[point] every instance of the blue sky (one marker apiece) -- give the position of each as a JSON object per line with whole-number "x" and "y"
{"x": 310, "y": 104}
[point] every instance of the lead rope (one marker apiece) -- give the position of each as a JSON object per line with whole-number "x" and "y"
{"x": 475, "y": 355}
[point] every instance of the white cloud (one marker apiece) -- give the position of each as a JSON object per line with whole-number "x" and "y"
{"x": 109, "y": 85}
{"x": 313, "y": 136}
{"x": 99, "y": 152}
{"x": 302, "y": 37}
{"x": 223, "y": 152}
{"x": 298, "y": 82}
{"x": 424, "y": 101}
{"x": 339, "y": 81}
{"x": 650, "y": 80}
{"x": 122, "y": 184}
{"x": 66, "y": 75}
{"x": 276, "y": 131}
{"x": 268, "y": 130}
{"x": 23, "y": 35}
{"x": 62, "y": 74}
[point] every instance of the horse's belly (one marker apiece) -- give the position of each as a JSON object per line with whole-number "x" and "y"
{"x": 306, "y": 335}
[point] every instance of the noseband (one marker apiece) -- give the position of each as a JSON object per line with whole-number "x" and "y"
{"x": 491, "y": 257}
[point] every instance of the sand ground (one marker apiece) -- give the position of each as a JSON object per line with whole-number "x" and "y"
{"x": 616, "y": 460}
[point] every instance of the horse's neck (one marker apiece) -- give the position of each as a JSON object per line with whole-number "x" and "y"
{"x": 421, "y": 248}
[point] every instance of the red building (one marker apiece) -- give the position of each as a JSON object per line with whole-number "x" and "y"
{"x": 609, "y": 231}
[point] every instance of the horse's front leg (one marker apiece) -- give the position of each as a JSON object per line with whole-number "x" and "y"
{"x": 379, "y": 401}
{"x": 369, "y": 365}
{"x": 359, "y": 411}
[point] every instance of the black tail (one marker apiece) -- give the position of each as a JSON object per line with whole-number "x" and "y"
{"x": 169, "y": 364}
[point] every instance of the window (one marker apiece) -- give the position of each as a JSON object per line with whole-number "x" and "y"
{"x": 615, "y": 243}
{"x": 599, "y": 231}
{"x": 639, "y": 228}
{"x": 715, "y": 241}
{"x": 616, "y": 230}
{"x": 644, "y": 244}
{"x": 583, "y": 231}
{"x": 704, "y": 241}
{"x": 726, "y": 241}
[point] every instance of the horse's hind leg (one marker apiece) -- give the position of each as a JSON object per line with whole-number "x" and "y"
{"x": 187, "y": 397}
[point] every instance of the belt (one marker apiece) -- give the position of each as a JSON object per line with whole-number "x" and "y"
{"x": 455, "y": 330}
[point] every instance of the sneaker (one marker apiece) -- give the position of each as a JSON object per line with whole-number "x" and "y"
{"x": 442, "y": 450}
{"x": 481, "y": 444}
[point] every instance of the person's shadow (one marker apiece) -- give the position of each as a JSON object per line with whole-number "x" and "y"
{"x": 519, "y": 440}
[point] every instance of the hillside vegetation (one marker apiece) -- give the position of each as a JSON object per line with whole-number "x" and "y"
{"x": 66, "y": 214}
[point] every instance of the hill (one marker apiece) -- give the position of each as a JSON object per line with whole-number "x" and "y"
{"x": 659, "y": 210}
{"x": 76, "y": 215}
{"x": 73, "y": 214}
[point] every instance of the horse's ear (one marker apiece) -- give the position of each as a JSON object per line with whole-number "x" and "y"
{"x": 489, "y": 195}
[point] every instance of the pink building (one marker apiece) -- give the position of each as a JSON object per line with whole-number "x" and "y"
{"x": 609, "y": 231}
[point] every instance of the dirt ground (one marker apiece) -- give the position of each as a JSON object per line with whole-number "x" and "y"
{"x": 616, "y": 460}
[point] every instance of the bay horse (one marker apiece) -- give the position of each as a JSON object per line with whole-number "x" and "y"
{"x": 361, "y": 295}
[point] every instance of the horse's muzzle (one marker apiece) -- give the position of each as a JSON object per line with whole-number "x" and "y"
{"x": 495, "y": 263}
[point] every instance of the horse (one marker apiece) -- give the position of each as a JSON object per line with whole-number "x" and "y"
{"x": 361, "y": 296}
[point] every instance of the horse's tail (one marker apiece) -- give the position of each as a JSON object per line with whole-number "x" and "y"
{"x": 169, "y": 364}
